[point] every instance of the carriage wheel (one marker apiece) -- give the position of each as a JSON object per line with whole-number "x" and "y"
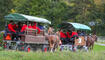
{"x": 61, "y": 48}
{"x": 74, "y": 48}
{"x": 6, "y": 45}
{"x": 28, "y": 48}
{"x": 20, "y": 47}
{"x": 45, "y": 48}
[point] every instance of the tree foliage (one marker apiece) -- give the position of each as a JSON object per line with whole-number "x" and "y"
{"x": 82, "y": 11}
{"x": 5, "y": 7}
{"x": 53, "y": 10}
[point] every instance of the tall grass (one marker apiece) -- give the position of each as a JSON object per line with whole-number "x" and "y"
{"x": 97, "y": 54}
{"x": 65, "y": 55}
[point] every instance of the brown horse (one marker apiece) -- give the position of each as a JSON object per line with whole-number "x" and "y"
{"x": 53, "y": 39}
{"x": 90, "y": 41}
{"x": 53, "y": 42}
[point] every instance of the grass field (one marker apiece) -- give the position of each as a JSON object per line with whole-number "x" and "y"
{"x": 98, "y": 48}
{"x": 97, "y": 54}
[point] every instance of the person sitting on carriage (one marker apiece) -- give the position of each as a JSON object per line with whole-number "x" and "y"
{"x": 69, "y": 32}
{"x": 11, "y": 28}
{"x": 26, "y": 28}
{"x": 63, "y": 37}
{"x": 81, "y": 33}
{"x": 35, "y": 27}
{"x": 23, "y": 28}
{"x": 84, "y": 33}
{"x": 73, "y": 36}
{"x": 30, "y": 26}
{"x": 40, "y": 26}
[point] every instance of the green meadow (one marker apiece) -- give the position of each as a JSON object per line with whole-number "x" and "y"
{"x": 97, "y": 54}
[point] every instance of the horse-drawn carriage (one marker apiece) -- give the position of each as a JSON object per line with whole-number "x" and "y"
{"x": 80, "y": 42}
{"x": 30, "y": 40}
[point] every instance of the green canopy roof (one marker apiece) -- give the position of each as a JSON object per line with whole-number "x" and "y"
{"x": 70, "y": 26}
{"x": 22, "y": 17}
{"x": 80, "y": 26}
{"x": 15, "y": 17}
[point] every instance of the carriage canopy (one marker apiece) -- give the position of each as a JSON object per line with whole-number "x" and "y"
{"x": 77, "y": 26}
{"x": 22, "y": 17}
{"x": 80, "y": 26}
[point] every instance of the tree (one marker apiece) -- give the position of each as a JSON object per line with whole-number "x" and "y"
{"x": 53, "y": 10}
{"x": 5, "y": 7}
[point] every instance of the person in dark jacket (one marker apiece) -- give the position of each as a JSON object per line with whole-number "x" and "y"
{"x": 40, "y": 26}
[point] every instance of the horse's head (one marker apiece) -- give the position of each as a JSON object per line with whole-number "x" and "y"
{"x": 90, "y": 38}
{"x": 94, "y": 37}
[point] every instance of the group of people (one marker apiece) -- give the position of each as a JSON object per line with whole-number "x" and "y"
{"x": 68, "y": 36}
{"x": 20, "y": 28}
